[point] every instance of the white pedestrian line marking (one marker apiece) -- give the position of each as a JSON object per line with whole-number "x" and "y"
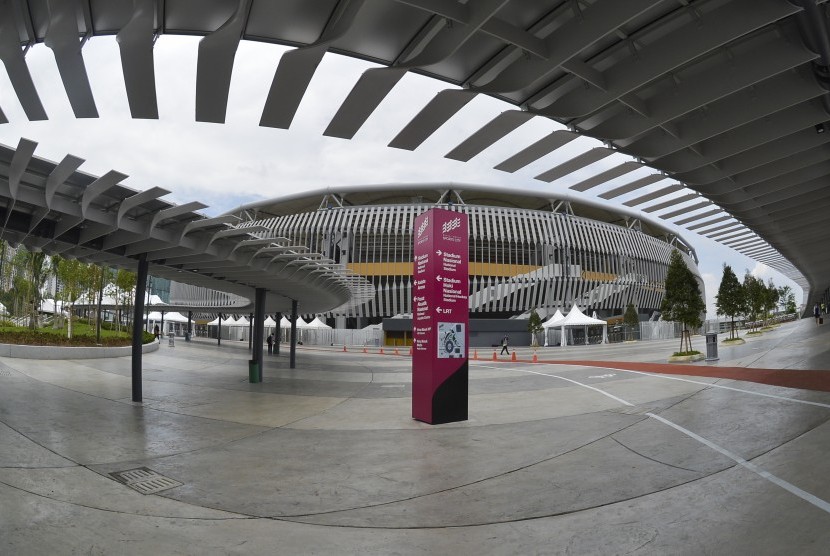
{"x": 789, "y": 487}
{"x": 709, "y": 384}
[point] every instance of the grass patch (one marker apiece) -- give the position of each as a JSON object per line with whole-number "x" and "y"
{"x": 83, "y": 335}
{"x": 685, "y": 353}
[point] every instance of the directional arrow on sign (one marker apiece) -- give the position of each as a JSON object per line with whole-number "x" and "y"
{"x": 439, "y": 253}
{"x": 439, "y": 278}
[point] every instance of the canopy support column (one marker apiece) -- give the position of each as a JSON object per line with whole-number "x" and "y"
{"x": 250, "y": 324}
{"x": 258, "y": 319}
{"x": 138, "y": 329}
{"x": 293, "y": 346}
{"x": 277, "y": 333}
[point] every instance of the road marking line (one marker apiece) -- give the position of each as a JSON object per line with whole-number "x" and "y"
{"x": 789, "y": 487}
{"x": 666, "y": 377}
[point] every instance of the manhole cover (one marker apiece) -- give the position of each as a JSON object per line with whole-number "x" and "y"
{"x": 144, "y": 480}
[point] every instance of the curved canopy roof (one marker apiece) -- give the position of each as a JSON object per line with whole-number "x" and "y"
{"x": 57, "y": 209}
{"x": 728, "y": 97}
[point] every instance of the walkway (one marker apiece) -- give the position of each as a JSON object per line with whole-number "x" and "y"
{"x": 557, "y": 457}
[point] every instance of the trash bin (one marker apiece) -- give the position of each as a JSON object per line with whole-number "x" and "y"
{"x": 187, "y": 336}
{"x": 171, "y": 340}
{"x": 711, "y": 346}
{"x": 253, "y": 371}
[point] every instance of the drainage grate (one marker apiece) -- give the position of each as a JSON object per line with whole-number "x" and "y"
{"x": 5, "y": 373}
{"x": 144, "y": 480}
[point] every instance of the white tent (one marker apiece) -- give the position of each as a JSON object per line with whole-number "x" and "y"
{"x": 285, "y": 323}
{"x": 317, "y": 323}
{"x": 243, "y": 321}
{"x": 576, "y": 317}
{"x": 46, "y": 306}
{"x": 172, "y": 316}
{"x": 269, "y": 322}
{"x": 301, "y": 323}
{"x": 552, "y": 322}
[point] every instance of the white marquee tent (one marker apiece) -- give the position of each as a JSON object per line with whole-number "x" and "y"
{"x": 574, "y": 318}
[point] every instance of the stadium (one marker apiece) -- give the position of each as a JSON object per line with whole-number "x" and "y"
{"x": 527, "y": 250}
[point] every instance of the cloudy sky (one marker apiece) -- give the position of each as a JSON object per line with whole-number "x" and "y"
{"x": 234, "y": 163}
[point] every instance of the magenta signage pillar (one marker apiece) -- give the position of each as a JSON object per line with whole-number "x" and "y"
{"x": 440, "y": 317}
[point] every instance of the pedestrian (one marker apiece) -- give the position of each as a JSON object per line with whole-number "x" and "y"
{"x": 817, "y": 312}
{"x": 156, "y": 332}
{"x": 270, "y": 343}
{"x": 504, "y": 345}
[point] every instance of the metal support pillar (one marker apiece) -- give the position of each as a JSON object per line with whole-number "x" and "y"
{"x": 258, "y": 319}
{"x": 292, "y": 361}
{"x": 277, "y": 334}
{"x": 189, "y": 325}
{"x": 219, "y": 331}
{"x": 250, "y": 324}
{"x": 138, "y": 329}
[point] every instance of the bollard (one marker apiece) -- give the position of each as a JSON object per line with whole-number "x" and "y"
{"x": 513, "y": 356}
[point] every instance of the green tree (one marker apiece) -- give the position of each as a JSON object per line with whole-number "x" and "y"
{"x": 770, "y": 299}
{"x": 754, "y": 291}
{"x": 73, "y": 276}
{"x": 534, "y": 326}
{"x": 786, "y": 298}
{"x": 731, "y": 299}
{"x": 125, "y": 282}
{"x": 631, "y": 319}
{"x": 682, "y": 301}
{"x": 33, "y": 269}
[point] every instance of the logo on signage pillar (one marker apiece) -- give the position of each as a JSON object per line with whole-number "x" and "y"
{"x": 423, "y": 227}
{"x": 451, "y": 225}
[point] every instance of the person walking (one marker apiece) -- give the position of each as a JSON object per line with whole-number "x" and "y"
{"x": 270, "y": 343}
{"x": 504, "y": 342}
{"x": 817, "y": 313}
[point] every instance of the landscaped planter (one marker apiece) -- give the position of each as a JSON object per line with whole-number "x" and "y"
{"x": 736, "y": 342}
{"x": 686, "y": 358}
{"x": 70, "y": 352}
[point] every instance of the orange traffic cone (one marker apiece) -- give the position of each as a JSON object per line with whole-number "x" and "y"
{"x": 365, "y": 350}
{"x": 535, "y": 359}
{"x": 475, "y": 354}
{"x": 344, "y": 347}
{"x": 495, "y": 357}
{"x": 513, "y": 356}
{"x": 410, "y": 350}
{"x": 381, "y": 351}
{"x": 397, "y": 352}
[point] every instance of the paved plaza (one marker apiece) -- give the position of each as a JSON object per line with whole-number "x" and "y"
{"x": 556, "y": 458}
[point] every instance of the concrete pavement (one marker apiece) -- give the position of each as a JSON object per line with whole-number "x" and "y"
{"x": 557, "y": 458}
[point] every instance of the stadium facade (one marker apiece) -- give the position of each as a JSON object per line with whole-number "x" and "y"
{"x": 527, "y": 250}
